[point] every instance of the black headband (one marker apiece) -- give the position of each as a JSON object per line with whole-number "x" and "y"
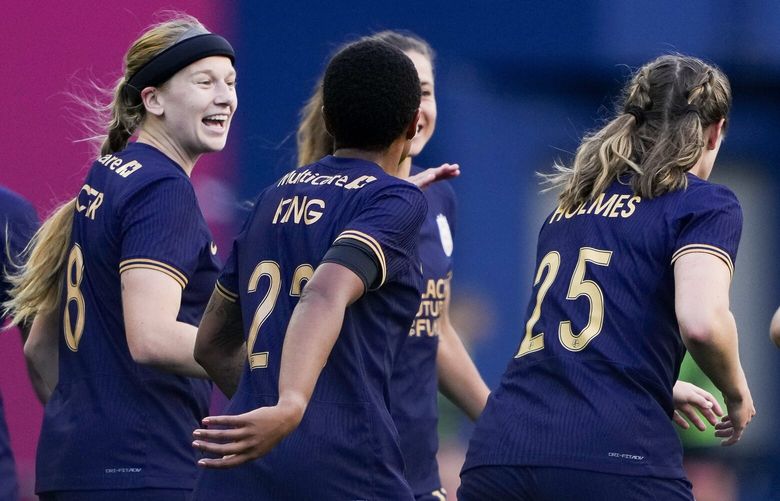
{"x": 165, "y": 64}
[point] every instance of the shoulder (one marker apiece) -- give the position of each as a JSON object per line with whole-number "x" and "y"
{"x": 385, "y": 183}
{"x": 139, "y": 165}
{"x": 15, "y": 207}
{"x": 704, "y": 196}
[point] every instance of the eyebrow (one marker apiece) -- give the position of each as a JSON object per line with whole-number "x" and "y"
{"x": 211, "y": 73}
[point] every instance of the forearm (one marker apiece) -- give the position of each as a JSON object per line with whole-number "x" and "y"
{"x": 459, "y": 379}
{"x": 169, "y": 348}
{"x": 715, "y": 349}
{"x": 311, "y": 334}
{"x": 219, "y": 345}
{"x": 41, "y": 353}
{"x": 225, "y": 366}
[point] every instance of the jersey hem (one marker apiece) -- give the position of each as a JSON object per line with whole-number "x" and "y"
{"x": 585, "y": 465}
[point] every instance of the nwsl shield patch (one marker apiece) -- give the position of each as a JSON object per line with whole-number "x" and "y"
{"x": 445, "y": 234}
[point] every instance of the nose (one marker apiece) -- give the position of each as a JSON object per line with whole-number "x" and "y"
{"x": 225, "y": 94}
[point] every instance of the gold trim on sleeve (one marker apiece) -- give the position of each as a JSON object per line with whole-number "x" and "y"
{"x": 224, "y": 292}
{"x": 372, "y": 244}
{"x": 130, "y": 264}
{"x": 705, "y": 249}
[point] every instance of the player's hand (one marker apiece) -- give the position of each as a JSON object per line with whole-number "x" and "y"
{"x": 732, "y": 425}
{"x": 688, "y": 399}
{"x": 430, "y": 176}
{"x": 244, "y": 437}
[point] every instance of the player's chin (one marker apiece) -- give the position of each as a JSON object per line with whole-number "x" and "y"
{"x": 213, "y": 144}
{"x": 416, "y": 147}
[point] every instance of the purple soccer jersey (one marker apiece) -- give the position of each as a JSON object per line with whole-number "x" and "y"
{"x": 414, "y": 388}
{"x": 112, "y": 423}
{"x": 590, "y": 386}
{"x": 346, "y": 447}
{"x": 18, "y": 222}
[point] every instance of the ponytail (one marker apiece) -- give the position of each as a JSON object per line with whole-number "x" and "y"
{"x": 37, "y": 284}
{"x": 656, "y": 137}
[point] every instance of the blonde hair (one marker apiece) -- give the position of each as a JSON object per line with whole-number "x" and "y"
{"x": 37, "y": 284}
{"x": 656, "y": 136}
{"x": 312, "y": 137}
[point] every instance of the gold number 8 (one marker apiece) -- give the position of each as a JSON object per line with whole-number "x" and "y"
{"x": 75, "y": 275}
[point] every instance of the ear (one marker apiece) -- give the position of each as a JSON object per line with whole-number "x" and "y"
{"x": 714, "y": 132}
{"x": 153, "y": 101}
{"x": 411, "y": 131}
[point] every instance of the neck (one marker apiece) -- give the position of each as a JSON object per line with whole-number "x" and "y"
{"x": 389, "y": 160}
{"x": 702, "y": 168}
{"x": 157, "y": 137}
{"x": 405, "y": 167}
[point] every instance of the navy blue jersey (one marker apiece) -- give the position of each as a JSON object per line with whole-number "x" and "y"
{"x": 346, "y": 446}
{"x": 414, "y": 388}
{"x": 18, "y": 222}
{"x": 112, "y": 423}
{"x": 590, "y": 386}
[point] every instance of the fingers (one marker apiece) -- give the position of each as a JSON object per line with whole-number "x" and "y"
{"x": 219, "y": 449}
{"x": 217, "y": 435}
{"x": 705, "y": 400}
{"x": 440, "y": 173}
{"x": 447, "y": 171}
{"x": 708, "y": 414}
{"x": 681, "y": 422}
{"x": 690, "y": 412}
{"x": 224, "y": 421}
{"x": 733, "y": 439}
{"x": 716, "y": 408}
{"x": 225, "y": 461}
{"x": 423, "y": 179}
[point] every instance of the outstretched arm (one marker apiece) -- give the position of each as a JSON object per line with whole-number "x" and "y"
{"x": 311, "y": 334}
{"x": 430, "y": 176}
{"x": 459, "y": 379}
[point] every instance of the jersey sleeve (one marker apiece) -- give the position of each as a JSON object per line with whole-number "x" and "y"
{"x": 161, "y": 230}
{"x": 227, "y": 283}
{"x": 389, "y": 226}
{"x": 17, "y": 228}
{"x": 710, "y": 222}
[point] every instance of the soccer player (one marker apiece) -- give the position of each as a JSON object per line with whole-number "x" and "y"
{"x": 633, "y": 267}
{"x": 119, "y": 277}
{"x": 315, "y": 302}
{"x": 432, "y": 345}
{"x": 18, "y": 222}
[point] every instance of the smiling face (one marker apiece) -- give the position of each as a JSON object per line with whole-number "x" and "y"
{"x": 198, "y": 103}
{"x": 427, "y": 123}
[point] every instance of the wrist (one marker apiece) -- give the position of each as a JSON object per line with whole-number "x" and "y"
{"x": 293, "y": 406}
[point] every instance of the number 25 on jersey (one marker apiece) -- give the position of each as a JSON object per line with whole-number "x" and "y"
{"x": 578, "y": 286}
